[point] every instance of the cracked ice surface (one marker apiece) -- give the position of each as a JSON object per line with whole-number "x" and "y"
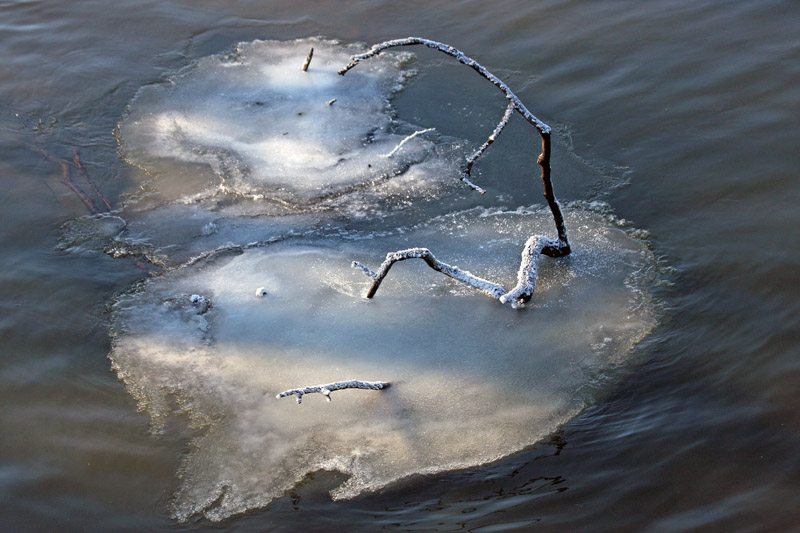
{"x": 472, "y": 380}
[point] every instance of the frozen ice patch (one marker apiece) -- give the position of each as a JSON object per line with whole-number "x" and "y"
{"x": 472, "y": 380}
{"x": 269, "y": 129}
{"x": 246, "y": 148}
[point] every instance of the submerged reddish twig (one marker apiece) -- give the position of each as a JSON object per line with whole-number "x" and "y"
{"x": 66, "y": 179}
{"x": 90, "y": 181}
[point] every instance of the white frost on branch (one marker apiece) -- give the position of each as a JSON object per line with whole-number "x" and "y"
{"x": 487, "y": 287}
{"x": 479, "y": 152}
{"x": 404, "y": 141}
{"x": 521, "y": 293}
{"x": 514, "y": 103}
{"x": 462, "y": 58}
{"x": 528, "y": 270}
{"x": 326, "y": 390}
{"x": 535, "y": 246}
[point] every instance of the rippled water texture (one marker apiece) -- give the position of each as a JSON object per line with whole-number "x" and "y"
{"x": 119, "y": 193}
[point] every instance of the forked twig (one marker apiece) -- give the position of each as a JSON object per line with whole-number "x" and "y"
{"x": 66, "y": 179}
{"x": 90, "y": 181}
{"x": 536, "y": 245}
{"x": 327, "y": 389}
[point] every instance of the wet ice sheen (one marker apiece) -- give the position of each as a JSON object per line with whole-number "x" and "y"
{"x": 472, "y": 380}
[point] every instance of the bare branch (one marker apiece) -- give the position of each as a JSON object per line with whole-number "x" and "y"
{"x": 89, "y": 180}
{"x": 66, "y": 179}
{"x": 326, "y": 390}
{"x": 308, "y": 60}
{"x": 535, "y": 246}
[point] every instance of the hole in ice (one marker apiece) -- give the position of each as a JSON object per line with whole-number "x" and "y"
{"x": 472, "y": 380}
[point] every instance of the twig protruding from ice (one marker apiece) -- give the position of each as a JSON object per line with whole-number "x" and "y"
{"x": 308, "y": 60}
{"x": 326, "y": 390}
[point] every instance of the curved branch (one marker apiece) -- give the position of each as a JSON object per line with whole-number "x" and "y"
{"x": 462, "y": 58}
{"x": 326, "y": 390}
{"x": 521, "y": 293}
{"x": 487, "y": 287}
{"x": 528, "y": 270}
{"x": 561, "y": 247}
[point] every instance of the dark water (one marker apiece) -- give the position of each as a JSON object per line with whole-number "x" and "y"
{"x": 681, "y": 115}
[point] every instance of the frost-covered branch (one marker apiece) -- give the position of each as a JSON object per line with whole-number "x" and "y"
{"x": 479, "y": 152}
{"x": 561, "y": 246}
{"x": 326, "y": 390}
{"x": 535, "y": 246}
{"x": 462, "y": 58}
{"x": 521, "y": 293}
{"x": 528, "y": 270}
{"x": 487, "y": 287}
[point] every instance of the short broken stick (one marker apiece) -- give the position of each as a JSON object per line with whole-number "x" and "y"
{"x": 326, "y": 390}
{"x": 308, "y": 60}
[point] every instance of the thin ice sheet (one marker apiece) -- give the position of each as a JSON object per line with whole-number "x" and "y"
{"x": 270, "y": 130}
{"x": 472, "y": 380}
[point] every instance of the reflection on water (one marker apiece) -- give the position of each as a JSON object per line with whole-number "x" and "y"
{"x": 682, "y": 110}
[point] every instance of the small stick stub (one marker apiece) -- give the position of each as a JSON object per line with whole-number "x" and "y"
{"x": 308, "y": 59}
